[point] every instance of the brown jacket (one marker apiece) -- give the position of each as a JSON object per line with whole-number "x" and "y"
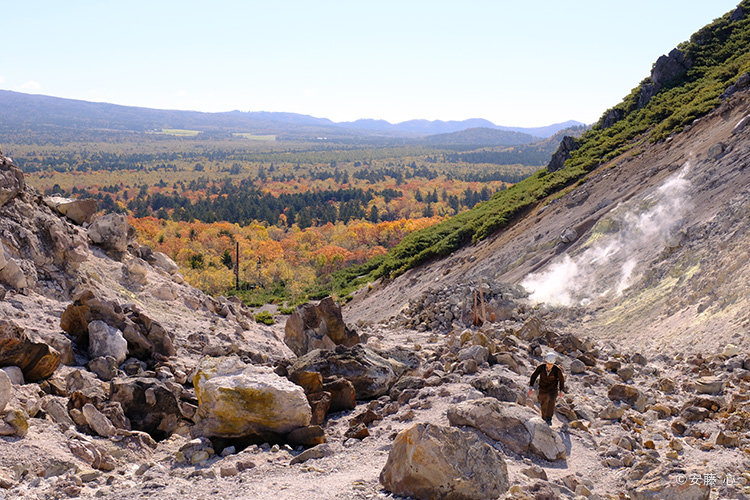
{"x": 548, "y": 382}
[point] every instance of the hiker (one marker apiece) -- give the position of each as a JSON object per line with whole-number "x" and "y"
{"x": 550, "y": 378}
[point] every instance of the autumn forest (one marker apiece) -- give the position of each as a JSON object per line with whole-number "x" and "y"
{"x": 293, "y": 211}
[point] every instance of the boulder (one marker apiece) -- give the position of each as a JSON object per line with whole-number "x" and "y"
{"x": 104, "y": 367}
{"x": 12, "y": 275}
{"x": 148, "y": 403}
{"x": 317, "y": 326}
{"x": 406, "y": 383}
{"x": 320, "y": 403}
{"x": 15, "y": 374}
{"x": 518, "y": 427}
{"x": 568, "y": 235}
{"x": 163, "y": 261}
{"x": 709, "y": 385}
{"x": 6, "y": 390}
{"x": 105, "y": 340}
{"x": 532, "y": 329}
{"x": 14, "y": 423}
{"x": 56, "y": 411}
{"x": 478, "y": 353}
{"x": 98, "y": 421}
{"x": 500, "y": 388}
{"x": 311, "y": 382}
{"x": 370, "y": 374}
{"x": 428, "y": 461}
{"x": 145, "y": 337}
{"x": 37, "y": 360}
{"x": 319, "y": 451}
{"x": 664, "y": 483}
{"x": 610, "y": 117}
{"x": 111, "y": 232}
{"x": 343, "y": 395}
{"x": 11, "y": 181}
{"x": 238, "y": 400}
{"x": 627, "y": 394}
{"x": 79, "y": 211}
{"x": 86, "y": 308}
{"x": 577, "y": 367}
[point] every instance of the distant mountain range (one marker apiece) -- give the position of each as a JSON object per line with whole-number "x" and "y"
{"x": 35, "y": 113}
{"x": 426, "y": 127}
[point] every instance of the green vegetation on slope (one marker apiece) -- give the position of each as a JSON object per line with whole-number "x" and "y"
{"x": 719, "y": 53}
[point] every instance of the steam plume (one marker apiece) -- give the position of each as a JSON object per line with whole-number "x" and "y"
{"x": 610, "y": 264}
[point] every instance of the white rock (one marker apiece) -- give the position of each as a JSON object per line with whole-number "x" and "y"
{"x": 105, "y": 340}
{"x": 163, "y": 261}
{"x": 15, "y": 374}
{"x": 730, "y": 350}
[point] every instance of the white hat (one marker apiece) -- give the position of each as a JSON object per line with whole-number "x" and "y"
{"x": 550, "y": 357}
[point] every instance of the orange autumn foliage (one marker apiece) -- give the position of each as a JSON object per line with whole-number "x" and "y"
{"x": 270, "y": 254}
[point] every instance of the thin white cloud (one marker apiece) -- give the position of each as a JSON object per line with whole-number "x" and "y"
{"x": 30, "y": 85}
{"x": 2, "y": 79}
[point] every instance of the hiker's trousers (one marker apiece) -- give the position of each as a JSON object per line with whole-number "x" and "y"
{"x": 547, "y": 402}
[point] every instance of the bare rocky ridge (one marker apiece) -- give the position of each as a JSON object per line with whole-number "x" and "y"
{"x": 148, "y": 388}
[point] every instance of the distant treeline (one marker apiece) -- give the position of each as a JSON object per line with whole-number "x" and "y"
{"x": 528, "y": 158}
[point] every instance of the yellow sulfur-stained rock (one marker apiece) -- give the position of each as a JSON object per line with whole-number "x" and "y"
{"x": 237, "y": 400}
{"x": 429, "y": 461}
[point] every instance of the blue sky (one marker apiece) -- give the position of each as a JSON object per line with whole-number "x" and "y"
{"x": 518, "y": 63}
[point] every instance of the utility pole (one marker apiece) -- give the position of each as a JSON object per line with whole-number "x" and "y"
{"x": 237, "y": 266}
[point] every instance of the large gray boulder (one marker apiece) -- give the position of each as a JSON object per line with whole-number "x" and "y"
{"x": 318, "y": 326}
{"x": 429, "y": 461}
{"x": 518, "y": 427}
{"x": 111, "y": 232}
{"x": 105, "y": 340}
{"x": 237, "y": 400}
{"x": 371, "y": 374}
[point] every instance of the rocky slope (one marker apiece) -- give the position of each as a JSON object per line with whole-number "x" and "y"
{"x": 117, "y": 380}
{"x": 650, "y": 249}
